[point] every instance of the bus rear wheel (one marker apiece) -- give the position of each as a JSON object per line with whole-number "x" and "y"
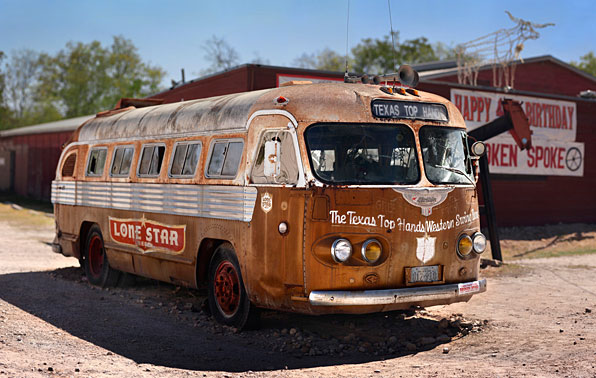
{"x": 228, "y": 301}
{"x": 96, "y": 265}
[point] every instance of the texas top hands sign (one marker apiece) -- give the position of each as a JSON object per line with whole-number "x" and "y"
{"x": 553, "y": 124}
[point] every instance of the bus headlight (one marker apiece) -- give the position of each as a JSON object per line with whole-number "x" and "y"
{"x": 479, "y": 241}
{"x": 371, "y": 250}
{"x": 464, "y": 246}
{"x": 341, "y": 250}
{"x": 478, "y": 148}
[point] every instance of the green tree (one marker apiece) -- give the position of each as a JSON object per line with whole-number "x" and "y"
{"x": 128, "y": 75}
{"x": 417, "y": 50}
{"x": 377, "y": 56}
{"x": 587, "y": 63}
{"x": 86, "y": 78}
{"x": 22, "y": 73}
{"x": 76, "y": 78}
{"x": 445, "y": 52}
{"x": 327, "y": 60}
{"x": 21, "y": 101}
{"x": 5, "y": 116}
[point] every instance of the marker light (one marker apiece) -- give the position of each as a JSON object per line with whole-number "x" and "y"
{"x": 464, "y": 246}
{"x": 281, "y": 100}
{"x": 371, "y": 250}
{"x": 479, "y": 242}
{"x": 341, "y": 250}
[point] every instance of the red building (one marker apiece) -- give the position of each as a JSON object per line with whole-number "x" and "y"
{"x": 550, "y": 183}
{"x": 29, "y": 155}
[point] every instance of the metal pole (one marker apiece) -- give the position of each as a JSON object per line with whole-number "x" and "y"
{"x": 489, "y": 206}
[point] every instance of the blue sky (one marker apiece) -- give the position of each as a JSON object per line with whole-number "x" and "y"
{"x": 171, "y": 33}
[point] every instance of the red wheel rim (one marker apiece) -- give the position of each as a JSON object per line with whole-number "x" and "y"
{"x": 96, "y": 256}
{"x": 227, "y": 288}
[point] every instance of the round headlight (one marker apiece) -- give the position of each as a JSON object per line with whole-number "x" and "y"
{"x": 479, "y": 241}
{"x": 464, "y": 246}
{"x": 371, "y": 250}
{"x": 282, "y": 228}
{"x": 478, "y": 148}
{"x": 341, "y": 250}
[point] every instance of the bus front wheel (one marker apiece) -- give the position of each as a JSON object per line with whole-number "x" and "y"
{"x": 228, "y": 301}
{"x": 96, "y": 265}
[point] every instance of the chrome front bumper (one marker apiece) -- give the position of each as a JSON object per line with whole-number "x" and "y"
{"x": 391, "y": 296}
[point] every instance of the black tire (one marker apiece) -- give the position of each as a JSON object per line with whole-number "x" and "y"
{"x": 228, "y": 301}
{"x": 97, "y": 267}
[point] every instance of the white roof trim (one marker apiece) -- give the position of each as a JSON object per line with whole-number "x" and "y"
{"x": 63, "y": 125}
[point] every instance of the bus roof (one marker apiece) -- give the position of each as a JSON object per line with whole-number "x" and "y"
{"x": 326, "y": 102}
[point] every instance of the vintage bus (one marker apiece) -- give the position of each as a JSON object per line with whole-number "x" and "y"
{"x": 312, "y": 198}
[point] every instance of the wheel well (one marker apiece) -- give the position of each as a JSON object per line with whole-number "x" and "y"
{"x": 85, "y": 227}
{"x": 206, "y": 250}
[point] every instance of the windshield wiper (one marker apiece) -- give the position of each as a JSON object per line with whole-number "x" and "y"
{"x": 455, "y": 170}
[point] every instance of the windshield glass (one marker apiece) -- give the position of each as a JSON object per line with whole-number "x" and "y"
{"x": 445, "y": 155}
{"x": 362, "y": 154}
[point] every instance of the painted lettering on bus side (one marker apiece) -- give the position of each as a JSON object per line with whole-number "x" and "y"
{"x": 352, "y": 218}
{"x": 147, "y": 235}
{"x": 405, "y": 109}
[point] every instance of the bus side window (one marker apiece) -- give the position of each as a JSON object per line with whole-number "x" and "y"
{"x": 69, "y": 165}
{"x": 151, "y": 159}
{"x": 185, "y": 159}
{"x": 121, "y": 161}
{"x": 97, "y": 160}
{"x": 288, "y": 168}
{"x": 224, "y": 158}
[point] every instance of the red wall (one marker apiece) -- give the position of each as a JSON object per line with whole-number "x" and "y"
{"x": 36, "y": 157}
{"x": 248, "y": 77}
{"x": 228, "y": 82}
{"x": 543, "y": 77}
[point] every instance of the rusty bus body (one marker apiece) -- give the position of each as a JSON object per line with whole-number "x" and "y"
{"x": 315, "y": 198}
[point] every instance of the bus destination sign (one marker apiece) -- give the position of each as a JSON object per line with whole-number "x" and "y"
{"x": 410, "y": 110}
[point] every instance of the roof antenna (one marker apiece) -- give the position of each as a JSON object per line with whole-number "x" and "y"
{"x": 392, "y": 41}
{"x": 346, "y": 77}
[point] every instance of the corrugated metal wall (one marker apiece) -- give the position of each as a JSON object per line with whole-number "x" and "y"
{"x": 35, "y": 160}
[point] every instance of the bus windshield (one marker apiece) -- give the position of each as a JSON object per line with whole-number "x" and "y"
{"x": 445, "y": 155}
{"x": 363, "y": 154}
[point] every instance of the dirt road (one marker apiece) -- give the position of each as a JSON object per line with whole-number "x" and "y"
{"x": 537, "y": 319}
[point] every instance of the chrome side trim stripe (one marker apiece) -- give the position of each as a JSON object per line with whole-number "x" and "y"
{"x": 207, "y": 201}
{"x": 391, "y": 296}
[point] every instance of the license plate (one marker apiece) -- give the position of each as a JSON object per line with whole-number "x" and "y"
{"x": 424, "y": 274}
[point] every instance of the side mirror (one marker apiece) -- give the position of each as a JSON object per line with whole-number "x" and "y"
{"x": 271, "y": 167}
{"x": 478, "y": 149}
